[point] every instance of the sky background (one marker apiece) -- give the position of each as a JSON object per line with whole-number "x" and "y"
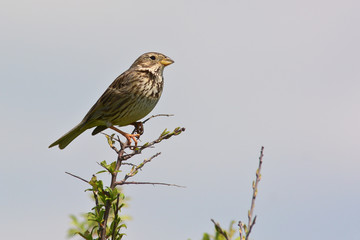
{"x": 280, "y": 74}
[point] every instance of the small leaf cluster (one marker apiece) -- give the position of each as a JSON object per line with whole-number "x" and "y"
{"x": 221, "y": 234}
{"x": 93, "y": 225}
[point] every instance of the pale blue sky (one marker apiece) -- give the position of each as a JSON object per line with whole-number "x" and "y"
{"x": 283, "y": 74}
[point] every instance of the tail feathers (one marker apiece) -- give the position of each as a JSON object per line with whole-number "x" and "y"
{"x": 99, "y": 129}
{"x": 69, "y": 136}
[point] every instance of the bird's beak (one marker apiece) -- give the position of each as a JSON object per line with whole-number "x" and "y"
{"x": 166, "y": 61}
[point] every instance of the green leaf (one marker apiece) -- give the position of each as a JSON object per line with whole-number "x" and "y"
{"x": 206, "y": 237}
{"x": 110, "y": 140}
{"x": 112, "y": 167}
{"x": 123, "y": 226}
{"x": 164, "y": 132}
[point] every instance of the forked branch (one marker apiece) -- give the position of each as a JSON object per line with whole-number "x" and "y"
{"x": 107, "y": 198}
{"x": 245, "y": 230}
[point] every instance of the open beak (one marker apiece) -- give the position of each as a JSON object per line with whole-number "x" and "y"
{"x": 166, "y": 61}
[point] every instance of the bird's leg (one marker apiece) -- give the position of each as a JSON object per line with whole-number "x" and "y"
{"x": 139, "y": 127}
{"x": 127, "y": 135}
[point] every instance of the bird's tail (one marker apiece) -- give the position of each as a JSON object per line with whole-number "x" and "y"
{"x": 69, "y": 136}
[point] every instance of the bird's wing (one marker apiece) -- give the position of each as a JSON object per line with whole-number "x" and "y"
{"x": 116, "y": 93}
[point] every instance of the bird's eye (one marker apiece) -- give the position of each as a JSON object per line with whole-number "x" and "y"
{"x": 153, "y": 57}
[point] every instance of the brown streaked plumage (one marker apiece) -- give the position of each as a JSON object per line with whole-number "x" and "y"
{"x": 128, "y": 99}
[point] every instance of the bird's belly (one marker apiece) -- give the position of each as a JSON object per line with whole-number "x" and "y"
{"x": 136, "y": 111}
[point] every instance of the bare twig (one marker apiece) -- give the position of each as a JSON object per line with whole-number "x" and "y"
{"x": 94, "y": 192}
{"x": 250, "y": 228}
{"x": 244, "y": 231}
{"x": 135, "y": 170}
{"x": 77, "y": 177}
{"x": 130, "y": 164}
{"x": 255, "y": 189}
{"x": 151, "y": 183}
{"x": 241, "y": 230}
{"x": 157, "y": 115}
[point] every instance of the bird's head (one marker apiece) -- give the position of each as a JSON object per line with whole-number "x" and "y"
{"x": 152, "y": 61}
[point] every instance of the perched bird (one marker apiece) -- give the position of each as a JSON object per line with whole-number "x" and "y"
{"x": 128, "y": 99}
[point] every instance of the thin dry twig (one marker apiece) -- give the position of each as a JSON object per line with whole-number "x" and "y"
{"x": 241, "y": 230}
{"x": 157, "y": 115}
{"x": 250, "y": 228}
{"x": 77, "y": 177}
{"x": 251, "y": 222}
{"x": 130, "y": 164}
{"x": 151, "y": 183}
{"x": 94, "y": 192}
{"x": 135, "y": 170}
{"x": 244, "y": 231}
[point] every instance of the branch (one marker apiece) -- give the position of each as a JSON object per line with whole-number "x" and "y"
{"x": 157, "y": 115}
{"x": 77, "y": 177}
{"x": 241, "y": 230}
{"x": 251, "y": 222}
{"x": 136, "y": 169}
{"x": 112, "y": 186}
{"x": 110, "y": 139}
{"x": 107, "y": 199}
{"x": 130, "y": 164}
{"x": 164, "y": 135}
{"x": 138, "y": 149}
{"x": 151, "y": 183}
{"x": 250, "y": 228}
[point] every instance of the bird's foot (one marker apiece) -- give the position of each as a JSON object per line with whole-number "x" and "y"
{"x": 128, "y": 136}
{"x": 139, "y": 127}
{"x": 134, "y": 137}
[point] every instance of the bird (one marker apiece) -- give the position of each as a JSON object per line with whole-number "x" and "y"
{"x": 129, "y": 98}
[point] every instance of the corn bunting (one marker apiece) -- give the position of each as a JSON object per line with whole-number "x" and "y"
{"x": 128, "y": 99}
